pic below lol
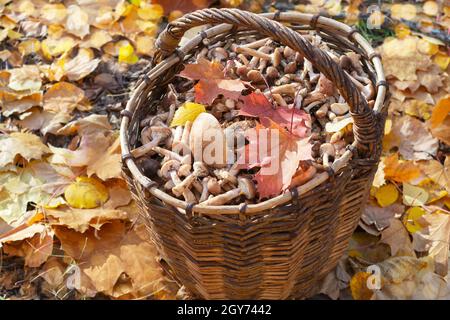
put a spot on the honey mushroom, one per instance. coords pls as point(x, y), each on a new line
point(245, 188)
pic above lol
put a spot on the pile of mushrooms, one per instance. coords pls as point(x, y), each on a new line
point(286, 79)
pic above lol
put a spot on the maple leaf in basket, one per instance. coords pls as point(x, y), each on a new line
point(212, 81)
point(257, 105)
point(278, 153)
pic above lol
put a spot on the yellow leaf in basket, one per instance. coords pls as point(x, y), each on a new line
point(412, 217)
point(126, 54)
point(414, 196)
point(86, 193)
point(358, 286)
point(386, 195)
point(187, 112)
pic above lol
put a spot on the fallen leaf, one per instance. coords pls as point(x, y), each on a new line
point(442, 131)
point(381, 217)
point(112, 261)
point(386, 195)
point(412, 138)
point(44, 121)
point(16, 103)
point(358, 286)
point(184, 6)
point(65, 97)
point(109, 163)
point(212, 81)
point(440, 112)
point(27, 145)
point(403, 11)
point(257, 105)
point(279, 161)
point(414, 196)
point(77, 22)
point(434, 237)
point(96, 39)
point(77, 68)
point(397, 237)
point(25, 78)
point(127, 55)
point(399, 171)
point(81, 220)
point(54, 13)
point(437, 172)
point(52, 47)
point(188, 111)
point(34, 243)
point(411, 219)
point(86, 193)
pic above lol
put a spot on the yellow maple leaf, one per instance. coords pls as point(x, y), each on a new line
point(189, 111)
point(86, 193)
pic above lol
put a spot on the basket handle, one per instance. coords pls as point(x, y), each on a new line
point(365, 125)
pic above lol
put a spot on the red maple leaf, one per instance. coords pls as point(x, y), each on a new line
point(257, 105)
point(278, 159)
point(212, 81)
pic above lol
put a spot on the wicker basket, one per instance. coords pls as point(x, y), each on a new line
point(282, 247)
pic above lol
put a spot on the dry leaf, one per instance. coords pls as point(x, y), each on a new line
point(112, 261)
point(27, 145)
point(25, 78)
point(414, 196)
point(400, 171)
point(109, 163)
point(65, 97)
point(381, 217)
point(34, 243)
point(81, 220)
point(412, 139)
point(44, 121)
point(440, 112)
point(256, 105)
point(77, 68)
point(212, 81)
point(280, 162)
point(86, 193)
point(77, 22)
point(437, 172)
point(397, 237)
point(434, 237)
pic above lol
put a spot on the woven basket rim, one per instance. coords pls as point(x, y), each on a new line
point(315, 22)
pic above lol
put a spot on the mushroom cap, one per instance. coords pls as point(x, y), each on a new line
point(247, 187)
point(213, 186)
point(226, 176)
point(200, 169)
point(168, 166)
point(327, 148)
point(185, 170)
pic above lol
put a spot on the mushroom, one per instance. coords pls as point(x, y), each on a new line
point(208, 136)
point(182, 146)
point(148, 166)
point(226, 176)
point(186, 159)
point(326, 151)
point(308, 69)
point(364, 84)
point(200, 170)
point(213, 186)
point(154, 136)
point(177, 134)
point(169, 171)
point(275, 57)
point(245, 188)
point(205, 192)
point(185, 170)
point(288, 89)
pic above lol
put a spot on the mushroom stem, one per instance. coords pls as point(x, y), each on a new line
point(172, 155)
point(205, 192)
point(367, 90)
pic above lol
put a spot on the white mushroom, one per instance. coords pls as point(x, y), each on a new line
point(245, 188)
point(169, 171)
point(200, 170)
point(154, 136)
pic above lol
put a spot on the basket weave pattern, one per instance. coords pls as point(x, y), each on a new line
point(280, 251)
